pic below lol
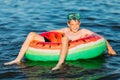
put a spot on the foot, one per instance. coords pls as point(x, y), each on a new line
point(12, 62)
point(56, 67)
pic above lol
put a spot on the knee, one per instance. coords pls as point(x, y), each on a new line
point(32, 34)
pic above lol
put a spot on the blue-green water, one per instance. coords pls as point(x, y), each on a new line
point(19, 17)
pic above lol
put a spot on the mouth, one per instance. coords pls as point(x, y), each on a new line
point(74, 30)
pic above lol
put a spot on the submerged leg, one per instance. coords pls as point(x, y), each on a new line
point(31, 36)
point(63, 53)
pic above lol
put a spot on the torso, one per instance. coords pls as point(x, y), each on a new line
point(74, 36)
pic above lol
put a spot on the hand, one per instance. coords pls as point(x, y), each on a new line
point(111, 52)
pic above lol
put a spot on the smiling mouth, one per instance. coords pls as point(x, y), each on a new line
point(74, 30)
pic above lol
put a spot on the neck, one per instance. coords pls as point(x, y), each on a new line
point(74, 32)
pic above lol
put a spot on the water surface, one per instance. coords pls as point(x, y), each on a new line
point(19, 17)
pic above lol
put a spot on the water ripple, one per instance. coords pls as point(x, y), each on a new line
point(19, 17)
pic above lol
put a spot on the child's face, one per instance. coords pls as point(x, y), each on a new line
point(74, 25)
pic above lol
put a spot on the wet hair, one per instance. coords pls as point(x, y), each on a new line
point(73, 16)
point(74, 20)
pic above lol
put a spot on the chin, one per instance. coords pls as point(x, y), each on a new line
point(75, 31)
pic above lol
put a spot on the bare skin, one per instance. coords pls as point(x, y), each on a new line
point(74, 30)
point(31, 36)
point(71, 33)
point(63, 52)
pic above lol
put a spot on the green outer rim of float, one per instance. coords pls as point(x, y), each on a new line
point(86, 52)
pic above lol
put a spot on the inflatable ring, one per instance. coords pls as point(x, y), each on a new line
point(84, 48)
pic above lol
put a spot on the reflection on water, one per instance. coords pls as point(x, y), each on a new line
point(80, 69)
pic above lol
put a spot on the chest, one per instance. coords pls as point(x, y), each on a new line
point(74, 36)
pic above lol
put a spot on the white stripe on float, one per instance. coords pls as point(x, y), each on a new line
point(70, 50)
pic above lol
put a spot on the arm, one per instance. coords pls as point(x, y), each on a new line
point(109, 47)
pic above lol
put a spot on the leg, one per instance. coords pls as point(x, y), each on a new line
point(31, 36)
point(63, 53)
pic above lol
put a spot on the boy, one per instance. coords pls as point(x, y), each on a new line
point(73, 32)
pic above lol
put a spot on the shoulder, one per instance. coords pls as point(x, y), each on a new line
point(84, 29)
point(87, 31)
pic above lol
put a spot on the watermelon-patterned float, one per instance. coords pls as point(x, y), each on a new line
point(83, 48)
